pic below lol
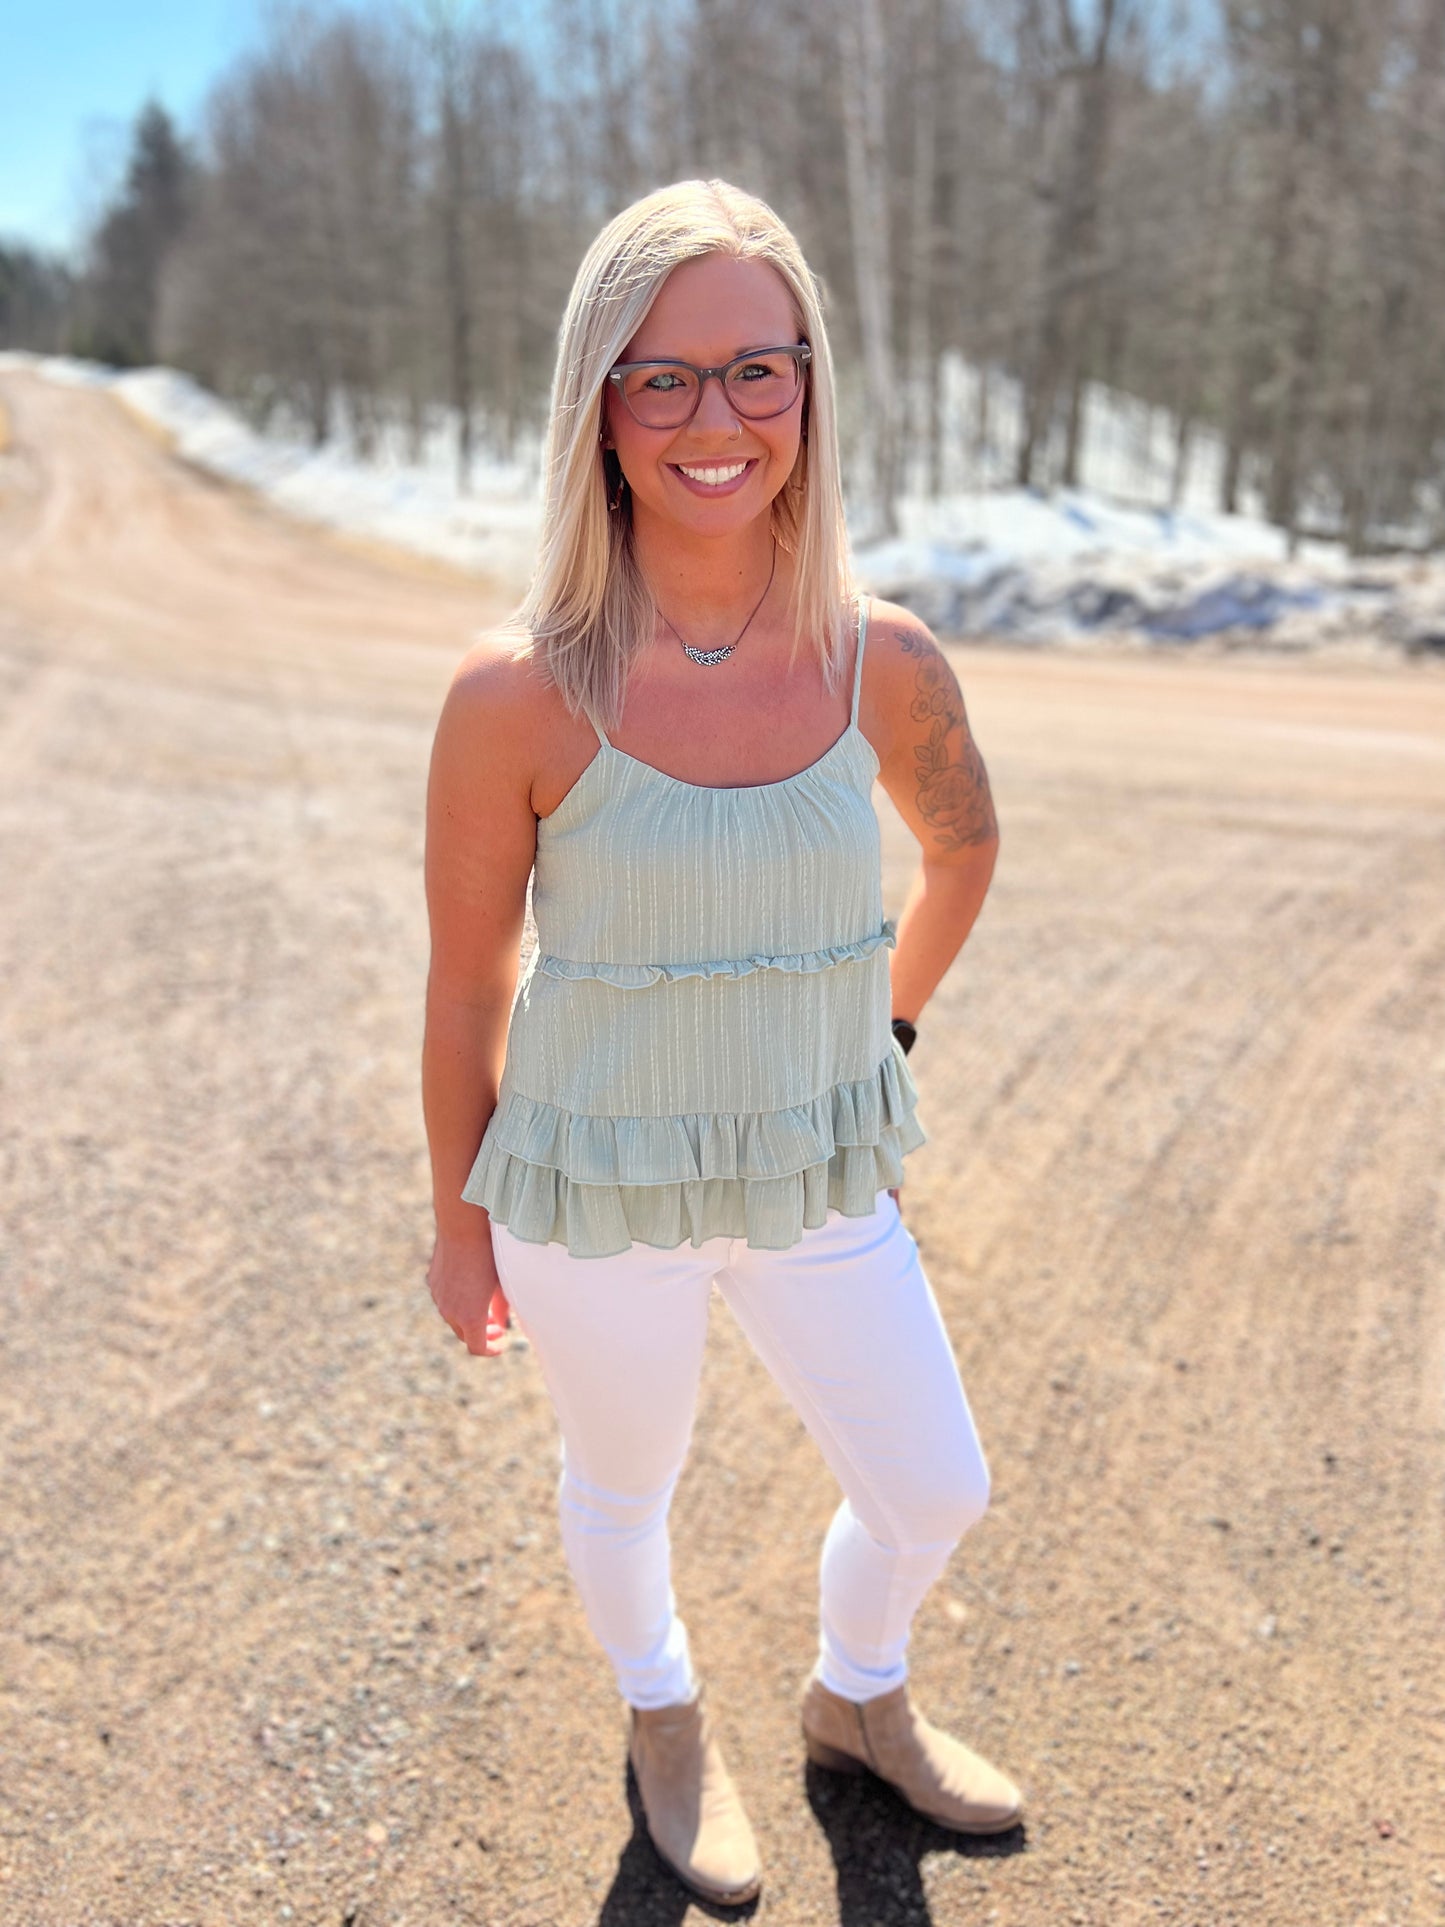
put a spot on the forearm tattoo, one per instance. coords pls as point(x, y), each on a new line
point(953, 793)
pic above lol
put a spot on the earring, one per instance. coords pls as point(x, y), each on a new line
point(614, 499)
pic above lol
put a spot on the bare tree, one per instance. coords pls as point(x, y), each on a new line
point(444, 47)
point(924, 36)
point(1073, 74)
point(864, 100)
point(1011, 205)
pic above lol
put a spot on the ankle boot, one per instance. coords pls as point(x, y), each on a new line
point(938, 1776)
point(694, 1815)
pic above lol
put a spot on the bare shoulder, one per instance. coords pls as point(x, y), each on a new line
point(895, 619)
point(929, 763)
point(481, 831)
point(495, 687)
point(498, 716)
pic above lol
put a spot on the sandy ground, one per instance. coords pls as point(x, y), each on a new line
point(287, 1633)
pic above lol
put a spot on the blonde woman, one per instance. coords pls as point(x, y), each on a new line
point(701, 1079)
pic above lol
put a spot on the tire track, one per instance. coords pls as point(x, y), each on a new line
point(288, 1621)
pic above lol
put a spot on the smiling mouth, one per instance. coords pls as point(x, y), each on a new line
point(712, 475)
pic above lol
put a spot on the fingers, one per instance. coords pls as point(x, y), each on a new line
point(489, 1342)
point(484, 1338)
point(490, 1345)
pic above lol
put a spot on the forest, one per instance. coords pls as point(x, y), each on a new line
point(1231, 211)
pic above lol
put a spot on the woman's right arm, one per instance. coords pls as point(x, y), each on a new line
point(481, 838)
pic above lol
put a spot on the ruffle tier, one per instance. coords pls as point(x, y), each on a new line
point(639, 976)
point(599, 1184)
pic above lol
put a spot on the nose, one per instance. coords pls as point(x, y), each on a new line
point(715, 410)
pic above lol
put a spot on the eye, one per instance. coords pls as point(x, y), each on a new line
point(655, 382)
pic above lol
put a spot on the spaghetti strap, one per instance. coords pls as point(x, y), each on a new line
point(601, 732)
point(858, 658)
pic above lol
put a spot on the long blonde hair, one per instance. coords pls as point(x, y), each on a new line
point(588, 608)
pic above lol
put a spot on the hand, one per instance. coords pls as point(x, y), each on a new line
point(468, 1294)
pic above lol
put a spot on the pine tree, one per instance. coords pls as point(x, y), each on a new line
point(128, 249)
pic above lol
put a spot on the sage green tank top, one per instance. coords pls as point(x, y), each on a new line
point(701, 1044)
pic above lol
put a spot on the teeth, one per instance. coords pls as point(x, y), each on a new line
point(713, 476)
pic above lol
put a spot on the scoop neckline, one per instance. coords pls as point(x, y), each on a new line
point(735, 789)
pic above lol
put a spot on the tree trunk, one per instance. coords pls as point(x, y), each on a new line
point(1073, 429)
point(455, 277)
point(1180, 473)
point(922, 387)
point(863, 126)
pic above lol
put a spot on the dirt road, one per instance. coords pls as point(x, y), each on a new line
point(287, 1634)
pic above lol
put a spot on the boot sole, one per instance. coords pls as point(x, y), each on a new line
point(821, 1754)
point(721, 1896)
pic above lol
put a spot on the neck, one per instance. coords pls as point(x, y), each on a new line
point(705, 582)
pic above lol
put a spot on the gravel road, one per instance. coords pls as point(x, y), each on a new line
point(287, 1633)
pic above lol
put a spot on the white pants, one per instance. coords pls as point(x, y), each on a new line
point(847, 1324)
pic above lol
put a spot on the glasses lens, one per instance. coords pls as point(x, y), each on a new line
point(660, 397)
point(764, 385)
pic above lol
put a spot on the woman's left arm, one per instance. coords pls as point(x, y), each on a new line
point(932, 771)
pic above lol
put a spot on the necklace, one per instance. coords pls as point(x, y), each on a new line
point(707, 657)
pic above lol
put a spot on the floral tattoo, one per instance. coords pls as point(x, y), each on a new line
point(953, 796)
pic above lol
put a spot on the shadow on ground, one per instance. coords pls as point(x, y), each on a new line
point(878, 1846)
point(645, 1892)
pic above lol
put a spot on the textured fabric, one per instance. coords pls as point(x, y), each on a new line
point(847, 1325)
point(701, 1044)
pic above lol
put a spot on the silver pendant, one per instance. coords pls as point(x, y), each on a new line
point(707, 657)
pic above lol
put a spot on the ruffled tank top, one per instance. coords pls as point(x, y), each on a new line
point(701, 1044)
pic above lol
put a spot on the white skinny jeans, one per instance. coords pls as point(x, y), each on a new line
point(846, 1322)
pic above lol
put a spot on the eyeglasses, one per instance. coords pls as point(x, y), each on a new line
point(666, 394)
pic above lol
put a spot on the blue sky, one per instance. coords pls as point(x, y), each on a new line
point(73, 76)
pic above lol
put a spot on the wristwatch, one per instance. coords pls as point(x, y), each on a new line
point(905, 1033)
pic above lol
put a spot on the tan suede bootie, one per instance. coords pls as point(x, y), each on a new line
point(694, 1814)
point(938, 1776)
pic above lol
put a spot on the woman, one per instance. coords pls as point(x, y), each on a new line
point(701, 1079)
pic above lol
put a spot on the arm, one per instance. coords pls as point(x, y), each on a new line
point(481, 837)
point(934, 775)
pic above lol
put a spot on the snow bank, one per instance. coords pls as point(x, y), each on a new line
point(492, 530)
point(1063, 568)
point(1070, 570)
